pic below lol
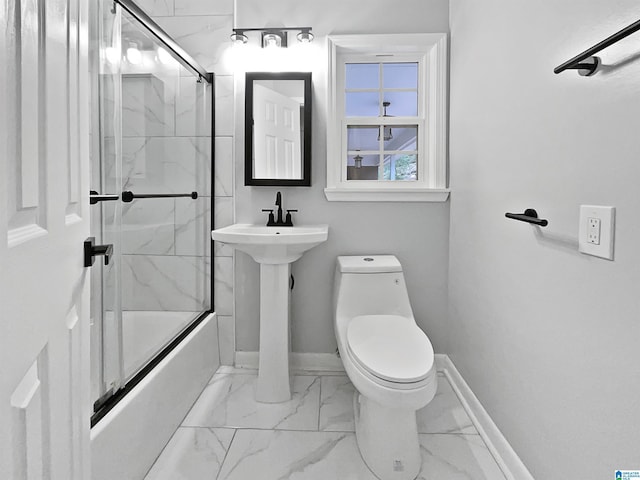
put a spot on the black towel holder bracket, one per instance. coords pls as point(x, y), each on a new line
point(529, 216)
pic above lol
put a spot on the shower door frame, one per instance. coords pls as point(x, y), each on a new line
point(108, 403)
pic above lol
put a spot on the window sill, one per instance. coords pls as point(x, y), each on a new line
point(386, 195)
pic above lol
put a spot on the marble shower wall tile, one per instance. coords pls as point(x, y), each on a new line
point(457, 457)
point(229, 401)
point(223, 211)
point(167, 165)
point(192, 226)
point(193, 108)
point(206, 38)
point(192, 454)
point(156, 7)
point(148, 227)
point(227, 340)
point(223, 285)
point(445, 413)
point(204, 7)
point(223, 175)
point(148, 105)
point(224, 116)
point(294, 455)
point(162, 282)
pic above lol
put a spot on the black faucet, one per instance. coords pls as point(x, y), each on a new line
point(272, 222)
point(279, 205)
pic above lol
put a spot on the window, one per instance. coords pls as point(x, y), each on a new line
point(387, 118)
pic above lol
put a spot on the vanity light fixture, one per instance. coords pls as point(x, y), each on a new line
point(272, 37)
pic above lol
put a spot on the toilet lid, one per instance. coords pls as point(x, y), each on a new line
point(390, 347)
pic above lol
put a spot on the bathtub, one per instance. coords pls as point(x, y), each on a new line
point(126, 442)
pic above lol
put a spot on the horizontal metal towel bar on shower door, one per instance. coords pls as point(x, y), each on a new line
point(586, 61)
point(128, 196)
point(164, 38)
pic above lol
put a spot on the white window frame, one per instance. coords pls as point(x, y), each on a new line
point(430, 51)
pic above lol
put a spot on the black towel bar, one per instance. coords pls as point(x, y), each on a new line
point(586, 63)
point(529, 216)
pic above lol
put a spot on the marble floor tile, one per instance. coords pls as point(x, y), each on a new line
point(456, 457)
point(270, 455)
point(192, 454)
point(445, 413)
point(229, 401)
point(336, 404)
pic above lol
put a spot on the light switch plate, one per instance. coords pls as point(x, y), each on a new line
point(589, 214)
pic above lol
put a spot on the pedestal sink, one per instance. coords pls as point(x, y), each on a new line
point(274, 248)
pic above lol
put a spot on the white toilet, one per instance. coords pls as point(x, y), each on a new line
point(387, 357)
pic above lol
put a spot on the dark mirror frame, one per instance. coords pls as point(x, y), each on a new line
point(305, 181)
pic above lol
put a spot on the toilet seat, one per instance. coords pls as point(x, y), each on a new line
point(391, 348)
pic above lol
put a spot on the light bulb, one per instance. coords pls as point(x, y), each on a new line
point(239, 38)
point(111, 54)
point(164, 57)
point(271, 40)
point(134, 56)
point(305, 36)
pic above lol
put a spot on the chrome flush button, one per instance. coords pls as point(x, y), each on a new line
point(368, 259)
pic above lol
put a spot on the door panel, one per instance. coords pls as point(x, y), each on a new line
point(44, 400)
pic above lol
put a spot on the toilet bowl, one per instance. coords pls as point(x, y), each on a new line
point(387, 357)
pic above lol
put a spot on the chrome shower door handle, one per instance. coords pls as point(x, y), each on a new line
point(91, 250)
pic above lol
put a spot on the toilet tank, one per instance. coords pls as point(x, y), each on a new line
point(369, 285)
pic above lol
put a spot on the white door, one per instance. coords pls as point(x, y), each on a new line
point(277, 151)
point(44, 213)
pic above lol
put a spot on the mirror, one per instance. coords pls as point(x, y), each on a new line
point(278, 129)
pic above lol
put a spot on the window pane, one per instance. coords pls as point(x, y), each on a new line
point(362, 75)
point(365, 169)
point(362, 138)
point(400, 167)
point(402, 104)
point(362, 104)
point(403, 137)
point(400, 75)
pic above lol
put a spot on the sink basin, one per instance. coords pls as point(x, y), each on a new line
point(274, 248)
point(272, 244)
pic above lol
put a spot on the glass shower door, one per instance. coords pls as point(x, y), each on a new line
point(155, 144)
point(106, 219)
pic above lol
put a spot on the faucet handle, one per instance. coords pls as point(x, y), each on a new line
point(287, 221)
point(271, 221)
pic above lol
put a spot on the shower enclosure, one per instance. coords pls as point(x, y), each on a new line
point(151, 199)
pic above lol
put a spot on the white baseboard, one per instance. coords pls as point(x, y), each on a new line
point(505, 456)
point(308, 362)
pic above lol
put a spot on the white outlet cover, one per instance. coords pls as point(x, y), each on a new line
point(607, 216)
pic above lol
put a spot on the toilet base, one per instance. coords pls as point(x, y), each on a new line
point(387, 439)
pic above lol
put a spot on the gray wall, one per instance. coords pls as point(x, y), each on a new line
point(546, 337)
point(416, 232)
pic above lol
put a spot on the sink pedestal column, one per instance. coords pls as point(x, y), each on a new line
point(273, 384)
